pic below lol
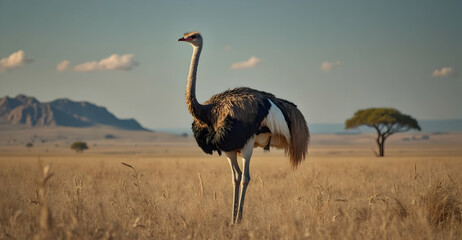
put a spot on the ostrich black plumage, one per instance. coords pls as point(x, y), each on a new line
point(240, 119)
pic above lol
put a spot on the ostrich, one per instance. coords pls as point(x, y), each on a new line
point(237, 120)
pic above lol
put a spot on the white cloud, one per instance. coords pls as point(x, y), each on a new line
point(443, 72)
point(16, 59)
point(87, 67)
point(327, 66)
point(113, 62)
point(63, 66)
point(252, 62)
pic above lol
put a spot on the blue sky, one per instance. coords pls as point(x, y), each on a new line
point(330, 58)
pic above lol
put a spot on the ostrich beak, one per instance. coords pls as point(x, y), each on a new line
point(185, 39)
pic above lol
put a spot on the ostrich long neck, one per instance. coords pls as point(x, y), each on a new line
point(196, 109)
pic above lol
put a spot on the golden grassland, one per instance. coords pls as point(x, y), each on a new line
point(174, 191)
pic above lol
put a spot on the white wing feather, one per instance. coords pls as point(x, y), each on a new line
point(276, 122)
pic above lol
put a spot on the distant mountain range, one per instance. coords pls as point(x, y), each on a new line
point(28, 111)
point(61, 112)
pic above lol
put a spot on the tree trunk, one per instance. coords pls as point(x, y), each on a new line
point(381, 145)
point(381, 136)
point(381, 150)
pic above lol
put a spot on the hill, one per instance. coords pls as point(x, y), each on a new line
point(28, 111)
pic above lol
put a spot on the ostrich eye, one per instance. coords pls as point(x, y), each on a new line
point(193, 36)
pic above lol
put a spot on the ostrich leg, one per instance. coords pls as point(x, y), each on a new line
point(236, 172)
point(246, 152)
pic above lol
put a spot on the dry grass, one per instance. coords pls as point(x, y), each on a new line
point(443, 202)
point(172, 196)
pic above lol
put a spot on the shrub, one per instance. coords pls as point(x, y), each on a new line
point(109, 136)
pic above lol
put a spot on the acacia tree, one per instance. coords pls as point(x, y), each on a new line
point(386, 121)
point(79, 146)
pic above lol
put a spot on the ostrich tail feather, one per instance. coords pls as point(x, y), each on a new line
point(299, 134)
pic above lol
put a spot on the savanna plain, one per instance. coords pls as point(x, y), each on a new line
point(161, 186)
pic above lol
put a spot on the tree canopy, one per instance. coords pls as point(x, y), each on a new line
point(386, 121)
point(389, 118)
point(79, 146)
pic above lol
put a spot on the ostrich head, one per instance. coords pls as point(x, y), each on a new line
point(194, 38)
